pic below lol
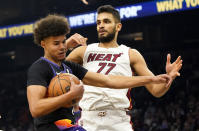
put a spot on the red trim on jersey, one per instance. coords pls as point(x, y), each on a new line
point(131, 123)
point(130, 100)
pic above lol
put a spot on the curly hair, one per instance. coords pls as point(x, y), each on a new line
point(109, 9)
point(51, 25)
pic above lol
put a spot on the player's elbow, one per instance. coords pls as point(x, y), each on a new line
point(153, 91)
point(34, 112)
point(157, 94)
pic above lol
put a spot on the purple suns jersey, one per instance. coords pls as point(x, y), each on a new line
point(109, 61)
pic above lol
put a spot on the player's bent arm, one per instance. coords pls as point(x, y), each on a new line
point(120, 82)
point(76, 55)
point(138, 63)
point(40, 105)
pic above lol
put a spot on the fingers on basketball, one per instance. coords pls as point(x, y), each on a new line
point(60, 84)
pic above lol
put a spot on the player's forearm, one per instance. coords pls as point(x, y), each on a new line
point(158, 90)
point(116, 82)
point(48, 105)
point(120, 82)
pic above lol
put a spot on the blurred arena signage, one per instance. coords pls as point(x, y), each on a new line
point(16, 30)
point(126, 12)
point(138, 10)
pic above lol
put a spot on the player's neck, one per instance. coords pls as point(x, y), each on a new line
point(52, 60)
point(111, 44)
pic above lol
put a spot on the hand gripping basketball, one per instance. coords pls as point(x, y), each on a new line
point(64, 83)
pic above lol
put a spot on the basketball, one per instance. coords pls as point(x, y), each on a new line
point(60, 84)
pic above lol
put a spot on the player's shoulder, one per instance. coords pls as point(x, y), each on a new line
point(82, 49)
point(39, 64)
point(70, 64)
point(122, 46)
point(132, 50)
point(134, 53)
point(93, 45)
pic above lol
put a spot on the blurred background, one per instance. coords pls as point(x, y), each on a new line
point(154, 28)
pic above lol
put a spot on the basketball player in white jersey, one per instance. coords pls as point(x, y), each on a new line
point(104, 109)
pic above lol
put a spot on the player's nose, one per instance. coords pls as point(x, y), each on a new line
point(62, 46)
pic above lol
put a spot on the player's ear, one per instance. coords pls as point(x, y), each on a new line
point(119, 26)
point(42, 44)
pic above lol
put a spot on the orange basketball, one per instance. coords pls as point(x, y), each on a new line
point(60, 84)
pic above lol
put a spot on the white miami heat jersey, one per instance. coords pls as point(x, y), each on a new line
point(113, 61)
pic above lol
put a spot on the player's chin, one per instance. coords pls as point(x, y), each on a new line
point(61, 57)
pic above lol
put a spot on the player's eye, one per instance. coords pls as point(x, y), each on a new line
point(107, 21)
point(64, 40)
point(56, 43)
point(98, 22)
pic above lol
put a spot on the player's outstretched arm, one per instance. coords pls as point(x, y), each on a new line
point(140, 66)
point(121, 82)
point(117, 82)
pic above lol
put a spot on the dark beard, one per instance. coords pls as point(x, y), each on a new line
point(107, 38)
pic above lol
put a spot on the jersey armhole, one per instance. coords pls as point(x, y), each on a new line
point(132, 69)
point(83, 56)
